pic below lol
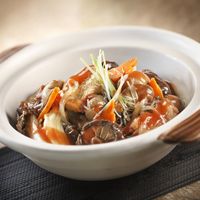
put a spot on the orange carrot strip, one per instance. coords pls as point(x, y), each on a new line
point(107, 113)
point(80, 77)
point(49, 103)
point(57, 100)
point(156, 88)
point(125, 68)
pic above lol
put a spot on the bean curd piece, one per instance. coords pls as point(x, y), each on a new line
point(54, 129)
point(32, 130)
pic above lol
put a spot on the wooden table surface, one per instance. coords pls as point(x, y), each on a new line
point(23, 21)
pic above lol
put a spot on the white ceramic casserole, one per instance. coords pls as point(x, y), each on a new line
point(172, 56)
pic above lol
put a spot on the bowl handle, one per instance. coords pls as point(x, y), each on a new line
point(185, 132)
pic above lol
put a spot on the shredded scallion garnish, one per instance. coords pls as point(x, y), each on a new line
point(100, 71)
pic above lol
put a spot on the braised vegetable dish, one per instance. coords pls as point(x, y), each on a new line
point(104, 102)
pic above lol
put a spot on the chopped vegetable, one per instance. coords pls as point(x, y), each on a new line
point(125, 68)
point(156, 88)
point(80, 77)
point(108, 113)
point(50, 102)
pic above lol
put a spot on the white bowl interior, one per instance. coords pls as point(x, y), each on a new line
point(64, 64)
point(173, 57)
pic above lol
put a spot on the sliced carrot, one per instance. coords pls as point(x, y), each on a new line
point(57, 100)
point(80, 77)
point(107, 113)
point(125, 68)
point(49, 103)
point(156, 88)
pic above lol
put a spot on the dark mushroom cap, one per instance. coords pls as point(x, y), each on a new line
point(100, 131)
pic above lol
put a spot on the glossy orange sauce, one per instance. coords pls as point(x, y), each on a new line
point(139, 76)
point(42, 133)
point(88, 135)
point(98, 107)
point(108, 113)
point(151, 119)
point(80, 77)
point(57, 137)
point(162, 107)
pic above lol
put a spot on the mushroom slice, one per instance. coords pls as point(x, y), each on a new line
point(165, 86)
point(100, 131)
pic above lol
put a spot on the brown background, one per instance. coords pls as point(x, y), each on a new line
point(23, 21)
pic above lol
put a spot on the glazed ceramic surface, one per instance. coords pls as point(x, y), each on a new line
point(172, 56)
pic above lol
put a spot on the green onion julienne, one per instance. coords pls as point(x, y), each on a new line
point(100, 72)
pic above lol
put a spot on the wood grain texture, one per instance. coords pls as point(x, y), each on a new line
point(186, 131)
point(190, 192)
